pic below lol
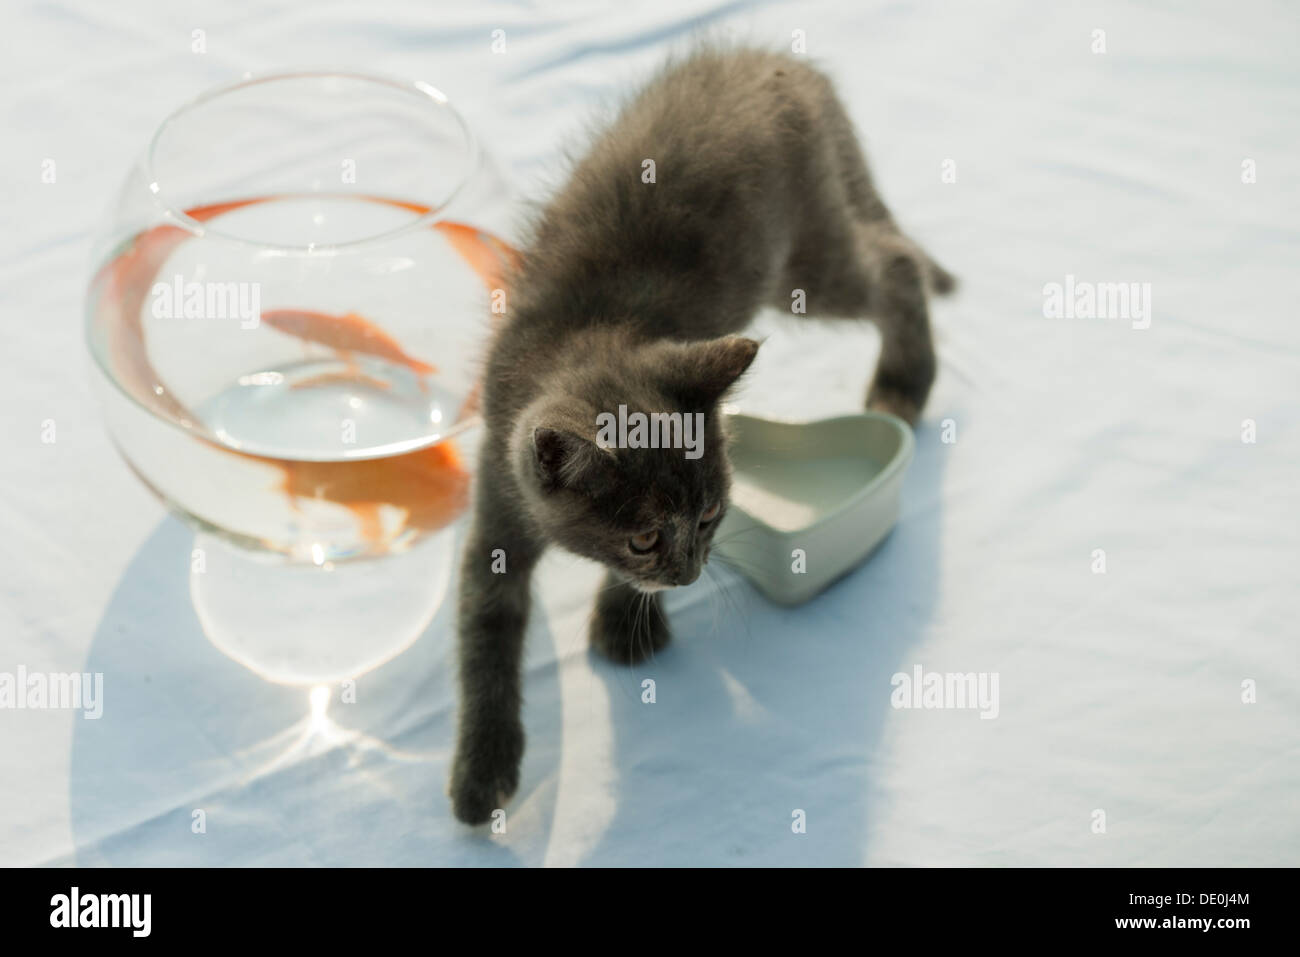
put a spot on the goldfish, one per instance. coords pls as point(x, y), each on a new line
point(430, 485)
point(489, 257)
point(347, 333)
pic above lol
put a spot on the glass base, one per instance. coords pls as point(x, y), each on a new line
point(317, 624)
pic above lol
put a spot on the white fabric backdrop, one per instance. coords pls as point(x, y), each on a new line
point(1119, 692)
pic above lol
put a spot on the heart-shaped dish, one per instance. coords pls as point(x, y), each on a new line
point(811, 500)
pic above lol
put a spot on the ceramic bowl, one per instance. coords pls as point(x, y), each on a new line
point(810, 501)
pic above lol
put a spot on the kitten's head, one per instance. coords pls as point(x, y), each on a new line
point(648, 514)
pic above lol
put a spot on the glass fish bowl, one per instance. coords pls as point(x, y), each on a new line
point(287, 313)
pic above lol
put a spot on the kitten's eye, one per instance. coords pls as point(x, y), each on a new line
point(710, 513)
point(643, 542)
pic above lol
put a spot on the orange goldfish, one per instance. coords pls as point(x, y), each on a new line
point(347, 333)
point(430, 485)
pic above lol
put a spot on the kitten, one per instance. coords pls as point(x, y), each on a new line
point(629, 293)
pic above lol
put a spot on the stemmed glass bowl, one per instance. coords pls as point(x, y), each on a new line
point(286, 315)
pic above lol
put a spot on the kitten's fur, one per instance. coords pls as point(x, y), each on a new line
point(629, 293)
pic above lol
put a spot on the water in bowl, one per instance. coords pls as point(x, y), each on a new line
point(311, 401)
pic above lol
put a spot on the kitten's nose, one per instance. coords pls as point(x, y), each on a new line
point(686, 577)
point(688, 560)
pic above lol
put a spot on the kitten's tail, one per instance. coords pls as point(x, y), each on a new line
point(941, 281)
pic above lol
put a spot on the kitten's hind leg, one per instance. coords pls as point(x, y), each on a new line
point(628, 625)
point(859, 270)
point(887, 277)
point(899, 273)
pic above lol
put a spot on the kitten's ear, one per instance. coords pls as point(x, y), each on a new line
point(708, 369)
point(564, 459)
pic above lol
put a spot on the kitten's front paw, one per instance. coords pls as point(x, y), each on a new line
point(628, 627)
point(485, 772)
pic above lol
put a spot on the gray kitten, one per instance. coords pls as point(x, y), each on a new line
point(628, 294)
